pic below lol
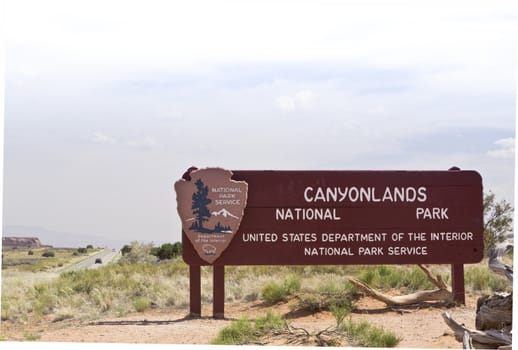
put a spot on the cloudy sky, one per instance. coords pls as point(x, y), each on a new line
point(107, 103)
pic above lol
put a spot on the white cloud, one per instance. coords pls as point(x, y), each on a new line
point(144, 143)
point(302, 100)
point(99, 137)
point(505, 148)
point(376, 110)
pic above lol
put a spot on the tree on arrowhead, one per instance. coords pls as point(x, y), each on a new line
point(200, 200)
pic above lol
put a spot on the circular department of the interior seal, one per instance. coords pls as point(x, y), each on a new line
point(211, 206)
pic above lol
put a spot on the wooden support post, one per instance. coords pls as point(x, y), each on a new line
point(218, 295)
point(457, 283)
point(457, 274)
point(195, 290)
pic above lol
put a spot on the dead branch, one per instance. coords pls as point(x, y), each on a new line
point(437, 281)
point(496, 263)
point(331, 336)
point(292, 329)
point(426, 295)
point(467, 342)
point(481, 339)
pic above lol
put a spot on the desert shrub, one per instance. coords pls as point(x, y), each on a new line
point(30, 252)
point(138, 253)
point(339, 313)
point(89, 246)
point(269, 322)
point(126, 249)
point(82, 250)
point(365, 335)
point(63, 316)
point(239, 332)
point(31, 336)
point(141, 304)
point(316, 302)
point(274, 292)
point(244, 331)
point(7, 313)
point(48, 254)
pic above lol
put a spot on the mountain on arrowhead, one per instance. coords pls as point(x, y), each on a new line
point(224, 212)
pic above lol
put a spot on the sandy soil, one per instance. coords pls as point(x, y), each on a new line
point(419, 327)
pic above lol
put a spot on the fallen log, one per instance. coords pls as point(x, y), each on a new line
point(425, 295)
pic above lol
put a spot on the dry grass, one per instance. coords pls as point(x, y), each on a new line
point(119, 289)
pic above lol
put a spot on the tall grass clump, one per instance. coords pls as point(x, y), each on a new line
point(481, 278)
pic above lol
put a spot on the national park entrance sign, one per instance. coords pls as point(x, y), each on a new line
point(328, 218)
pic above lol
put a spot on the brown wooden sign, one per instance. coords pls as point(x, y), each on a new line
point(353, 217)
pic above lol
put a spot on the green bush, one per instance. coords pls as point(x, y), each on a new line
point(498, 220)
point(167, 251)
point(139, 253)
point(30, 252)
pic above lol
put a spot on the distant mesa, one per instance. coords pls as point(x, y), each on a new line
point(21, 242)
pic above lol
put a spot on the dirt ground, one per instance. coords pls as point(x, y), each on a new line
point(419, 327)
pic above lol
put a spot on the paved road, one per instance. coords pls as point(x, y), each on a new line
point(106, 256)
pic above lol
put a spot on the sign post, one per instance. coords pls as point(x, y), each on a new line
point(195, 290)
point(330, 218)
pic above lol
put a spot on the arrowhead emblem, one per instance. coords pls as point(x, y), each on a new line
point(211, 207)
